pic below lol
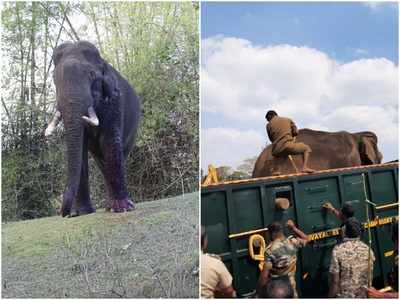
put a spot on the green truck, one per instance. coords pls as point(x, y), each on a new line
point(232, 212)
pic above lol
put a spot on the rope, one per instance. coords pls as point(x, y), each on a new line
point(292, 160)
point(369, 232)
point(293, 164)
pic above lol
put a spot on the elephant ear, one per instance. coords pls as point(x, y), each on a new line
point(368, 148)
point(110, 83)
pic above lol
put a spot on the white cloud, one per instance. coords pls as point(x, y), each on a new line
point(360, 52)
point(377, 5)
point(372, 4)
point(228, 147)
point(241, 81)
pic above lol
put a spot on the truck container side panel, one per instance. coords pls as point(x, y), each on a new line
point(279, 215)
point(264, 205)
point(216, 221)
point(298, 220)
point(354, 194)
point(382, 191)
point(315, 272)
point(245, 202)
point(313, 194)
point(383, 248)
point(250, 205)
point(248, 275)
point(314, 218)
point(232, 228)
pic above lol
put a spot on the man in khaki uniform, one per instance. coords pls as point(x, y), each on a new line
point(281, 132)
point(281, 255)
point(215, 277)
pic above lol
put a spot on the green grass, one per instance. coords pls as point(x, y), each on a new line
point(38, 237)
point(159, 237)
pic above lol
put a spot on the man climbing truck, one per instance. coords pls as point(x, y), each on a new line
point(282, 132)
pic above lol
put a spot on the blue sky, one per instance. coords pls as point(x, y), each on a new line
point(353, 45)
point(335, 28)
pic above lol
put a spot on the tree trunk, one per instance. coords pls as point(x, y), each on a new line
point(33, 47)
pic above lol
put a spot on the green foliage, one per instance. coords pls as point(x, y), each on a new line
point(247, 166)
point(224, 172)
point(154, 45)
point(243, 171)
point(236, 175)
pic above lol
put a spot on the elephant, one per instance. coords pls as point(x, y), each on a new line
point(100, 112)
point(330, 150)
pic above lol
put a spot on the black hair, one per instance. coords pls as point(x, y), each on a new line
point(270, 114)
point(277, 288)
point(274, 228)
point(348, 210)
point(352, 228)
point(203, 236)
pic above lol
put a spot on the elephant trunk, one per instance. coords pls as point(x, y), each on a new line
point(74, 98)
point(74, 142)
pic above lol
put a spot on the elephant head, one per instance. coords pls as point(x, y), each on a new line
point(77, 67)
point(368, 148)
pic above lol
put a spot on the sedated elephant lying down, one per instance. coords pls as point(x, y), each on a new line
point(330, 150)
point(100, 112)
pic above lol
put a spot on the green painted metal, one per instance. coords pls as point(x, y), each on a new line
point(236, 207)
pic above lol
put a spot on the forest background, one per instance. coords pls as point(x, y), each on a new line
point(155, 47)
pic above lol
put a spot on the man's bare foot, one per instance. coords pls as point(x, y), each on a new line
point(308, 170)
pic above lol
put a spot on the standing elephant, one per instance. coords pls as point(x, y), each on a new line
point(100, 112)
point(330, 150)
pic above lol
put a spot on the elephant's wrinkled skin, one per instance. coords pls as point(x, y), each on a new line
point(329, 151)
point(100, 112)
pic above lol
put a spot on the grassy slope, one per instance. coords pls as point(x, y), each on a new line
point(150, 252)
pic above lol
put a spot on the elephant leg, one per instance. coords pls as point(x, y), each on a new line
point(111, 187)
point(83, 202)
point(109, 202)
point(100, 163)
point(114, 173)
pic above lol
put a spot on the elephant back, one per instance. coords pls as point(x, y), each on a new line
point(329, 150)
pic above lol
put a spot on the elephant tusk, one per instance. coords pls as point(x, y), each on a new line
point(53, 124)
point(92, 119)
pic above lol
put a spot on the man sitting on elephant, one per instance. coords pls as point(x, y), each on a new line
point(281, 132)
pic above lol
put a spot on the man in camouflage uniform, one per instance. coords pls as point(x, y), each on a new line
point(346, 212)
point(281, 255)
point(215, 277)
point(349, 264)
point(282, 132)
